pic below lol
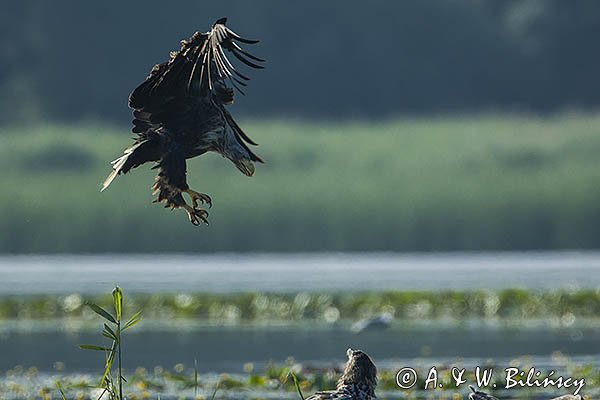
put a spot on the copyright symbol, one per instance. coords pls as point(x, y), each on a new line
point(406, 378)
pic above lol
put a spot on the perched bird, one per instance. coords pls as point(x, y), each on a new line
point(358, 381)
point(179, 113)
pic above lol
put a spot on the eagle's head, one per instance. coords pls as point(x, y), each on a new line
point(246, 166)
point(238, 154)
point(360, 372)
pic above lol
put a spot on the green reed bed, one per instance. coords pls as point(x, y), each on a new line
point(448, 183)
point(560, 306)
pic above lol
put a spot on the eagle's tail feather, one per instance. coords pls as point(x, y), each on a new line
point(113, 174)
point(121, 164)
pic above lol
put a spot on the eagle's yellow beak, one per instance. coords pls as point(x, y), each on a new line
point(246, 166)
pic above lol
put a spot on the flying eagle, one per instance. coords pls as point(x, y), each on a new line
point(179, 113)
point(358, 381)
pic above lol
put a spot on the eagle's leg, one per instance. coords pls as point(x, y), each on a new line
point(202, 197)
point(170, 184)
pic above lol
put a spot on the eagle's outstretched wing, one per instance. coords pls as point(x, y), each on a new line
point(193, 82)
point(211, 64)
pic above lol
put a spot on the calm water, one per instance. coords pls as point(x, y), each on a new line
point(221, 349)
point(293, 272)
point(226, 349)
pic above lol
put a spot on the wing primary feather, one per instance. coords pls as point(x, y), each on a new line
point(221, 64)
point(237, 87)
point(247, 41)
point(219, 67)
point(235, 71)
point(208, 71)
point(252, 56)
point(238, 48)
point(224, 58)
point(220, 32)
point(248, 63)
point(237, 37)
point(223, 73)
point(238, 81)
point(244, 77)
point(194, 72)
point(228, 73)
point(202, 70)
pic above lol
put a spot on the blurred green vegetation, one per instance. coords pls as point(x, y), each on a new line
point(557, 308)
point(449, 183)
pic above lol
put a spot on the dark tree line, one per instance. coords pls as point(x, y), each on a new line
point(72, 59)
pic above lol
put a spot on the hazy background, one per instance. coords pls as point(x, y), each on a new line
point(443, 140)
point(413, 125)
point(71, 60)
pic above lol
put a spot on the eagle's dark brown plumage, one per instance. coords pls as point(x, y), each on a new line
point(179, 113)
point(358, 381)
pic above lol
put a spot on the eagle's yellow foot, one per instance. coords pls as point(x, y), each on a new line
point(196, 215)
point(195, 196)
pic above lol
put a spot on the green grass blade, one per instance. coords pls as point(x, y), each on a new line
point(102, 312)
point(216, 390)
point(60, 389)
point(195, 378)
point(102, 393)
point(133, 320)
point(109, 333)
point(295, 378)
point(118, 300)
point(108, 366)
point(93, 347)
point(134, 317)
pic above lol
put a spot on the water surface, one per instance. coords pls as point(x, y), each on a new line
point(295, 272)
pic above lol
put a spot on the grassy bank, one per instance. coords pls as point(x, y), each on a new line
point(489, 182)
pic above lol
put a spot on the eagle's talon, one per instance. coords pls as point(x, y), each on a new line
point(197, 216)
point(203, 198)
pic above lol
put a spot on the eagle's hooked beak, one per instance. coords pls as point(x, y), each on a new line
point(246, 166)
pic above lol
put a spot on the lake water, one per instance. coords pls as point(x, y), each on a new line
point(226, 349)
point(295, 272)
